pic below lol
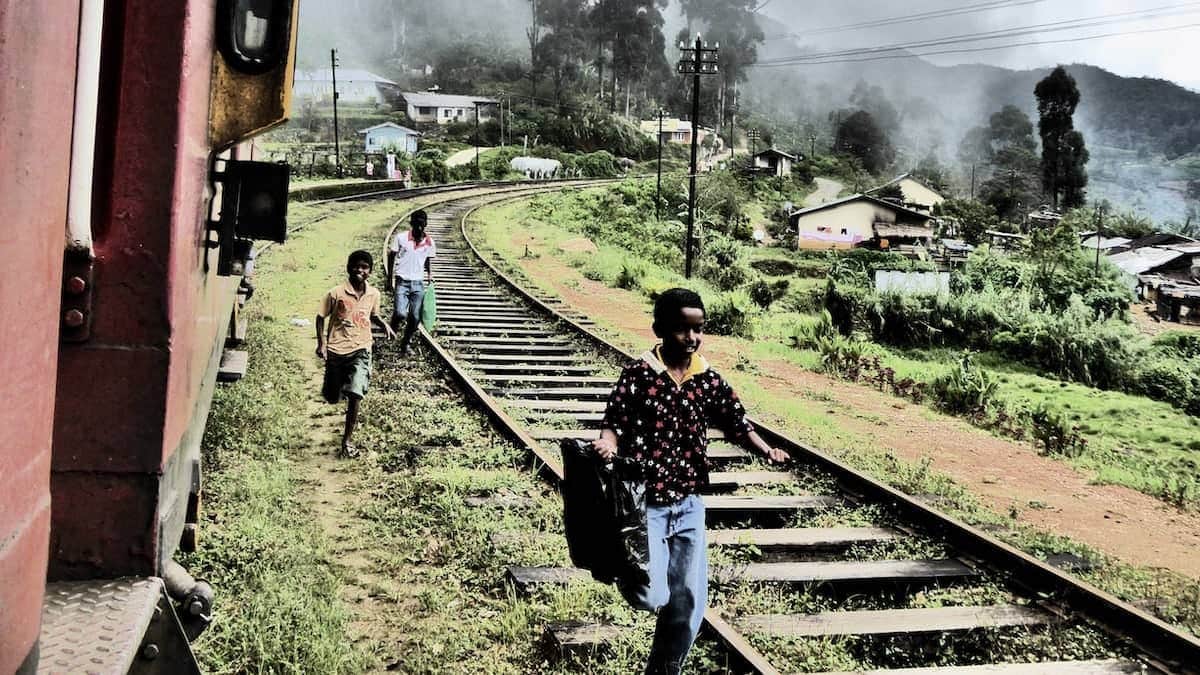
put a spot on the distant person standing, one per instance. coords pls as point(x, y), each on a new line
point(344, 344)
point(409, 272)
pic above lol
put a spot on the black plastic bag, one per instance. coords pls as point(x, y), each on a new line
point(604, 513)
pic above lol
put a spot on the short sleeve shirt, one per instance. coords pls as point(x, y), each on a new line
point(411, 255)
point(349, 315)
point(664, 425)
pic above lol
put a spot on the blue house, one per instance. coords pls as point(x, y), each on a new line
point(390, 135)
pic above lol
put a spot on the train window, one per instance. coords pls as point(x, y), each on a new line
point(254, 34)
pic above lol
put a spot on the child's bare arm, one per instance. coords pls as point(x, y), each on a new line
point(772, 453)
point(383, 324)
point(320, 336)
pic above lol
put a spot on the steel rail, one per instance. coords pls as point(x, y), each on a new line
point(1168, 648)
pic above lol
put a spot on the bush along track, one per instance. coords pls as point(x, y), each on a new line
point(884, 595)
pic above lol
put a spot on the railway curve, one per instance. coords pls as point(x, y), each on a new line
point(542, 374)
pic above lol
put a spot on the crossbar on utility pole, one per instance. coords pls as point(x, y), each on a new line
point(337, 147)
point(696, 61)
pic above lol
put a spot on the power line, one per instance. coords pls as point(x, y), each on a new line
point(988, 6)
point(1054, 26)
point(968, 50)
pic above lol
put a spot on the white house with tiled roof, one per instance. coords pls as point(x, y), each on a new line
point(426, 106)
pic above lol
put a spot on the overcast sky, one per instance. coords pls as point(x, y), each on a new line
point(1171, 54)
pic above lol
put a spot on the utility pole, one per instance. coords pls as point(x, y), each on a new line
point(812, 146)
point(337, 147)
point(478, 172)
point(658, 185)
point(1099, 238)
point(753, 135)
point(695, 61)
point(972, 180)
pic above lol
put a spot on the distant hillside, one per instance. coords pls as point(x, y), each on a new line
point(1143, 132)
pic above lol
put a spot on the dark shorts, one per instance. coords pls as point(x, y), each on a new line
point(348, 374)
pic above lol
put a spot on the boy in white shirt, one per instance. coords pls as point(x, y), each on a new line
point(408, 273)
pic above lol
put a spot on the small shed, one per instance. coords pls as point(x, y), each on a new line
point(1007, 241)
point(390, 135)
point(776, 162)
point(1179, 303)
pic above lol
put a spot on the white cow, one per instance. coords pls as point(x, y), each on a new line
point(536, 168)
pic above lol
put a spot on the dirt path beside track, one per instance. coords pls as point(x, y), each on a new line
point(1007, 476)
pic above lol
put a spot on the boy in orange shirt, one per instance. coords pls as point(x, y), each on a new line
point(345, 343)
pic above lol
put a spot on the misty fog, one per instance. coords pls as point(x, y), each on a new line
point(937, 103)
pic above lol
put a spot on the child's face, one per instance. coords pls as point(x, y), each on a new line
point(358, 271)
point(685, 336)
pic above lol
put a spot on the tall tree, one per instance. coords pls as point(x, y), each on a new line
point(861, 136)
point(1064, 154)
point(559, 52)
point(734, 25)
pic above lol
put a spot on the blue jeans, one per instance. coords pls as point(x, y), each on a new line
point(409, 296)
point(678, 589)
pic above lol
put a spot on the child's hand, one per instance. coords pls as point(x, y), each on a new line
point(605, 448)
point(321, 353)
point(391, 334)
point(778, 456)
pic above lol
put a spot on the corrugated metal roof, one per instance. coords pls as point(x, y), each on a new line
point(427, 100)
point(1143, 260)
point(957, 245)
point(888, 230)
point(773, 151)
point(855, 198)
point(389, 124)
point(1105, 242)
point(343, 75)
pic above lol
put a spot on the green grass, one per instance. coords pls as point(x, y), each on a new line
point(259, 546)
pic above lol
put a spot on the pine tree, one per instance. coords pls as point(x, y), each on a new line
point(1064, 154)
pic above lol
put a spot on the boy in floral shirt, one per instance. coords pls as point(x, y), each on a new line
point(659, 413)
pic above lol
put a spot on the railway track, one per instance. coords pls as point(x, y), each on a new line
point(542, 375)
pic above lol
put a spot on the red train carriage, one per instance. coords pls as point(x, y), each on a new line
point(121, 237)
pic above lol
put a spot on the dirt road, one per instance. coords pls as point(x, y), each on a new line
point(827, 191)
point(465, 156)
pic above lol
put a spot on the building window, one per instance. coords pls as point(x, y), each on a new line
point(426, 110)
point(822, 228)
point(446, 112)
point(844, 231)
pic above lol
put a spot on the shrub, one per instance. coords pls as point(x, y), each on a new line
point(1169, 379)
point(811, 332)
point(723, 263)
point(1182, 343)
point(967, 389)
point(1055, 432)
point(841, 355)
point(804, 299)
point(774, 267)
point(630, 277)
point(764, 293)
point(730, 314)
